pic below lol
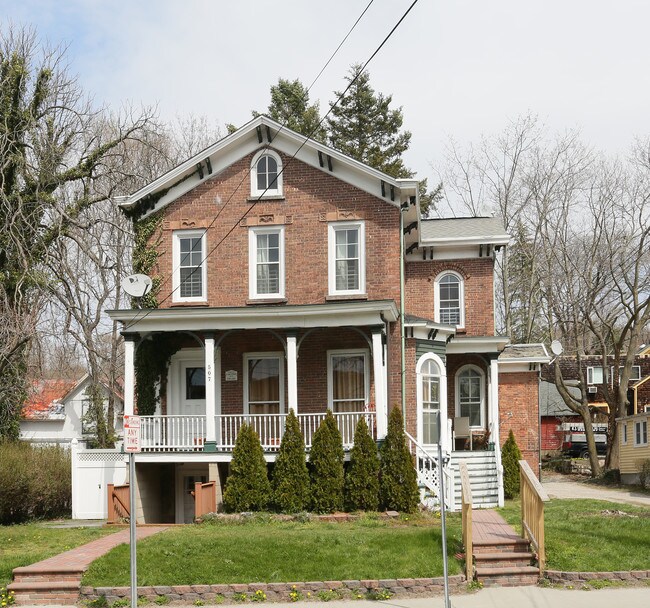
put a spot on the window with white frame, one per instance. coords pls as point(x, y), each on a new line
point(635, 373)
point(624, 434)
point(470, 395)
point(348, 380)
point(347, 263)
point(266, 174)
point(641, 433)
point(449, 299)
point(430, 387)
point(595, 375)
point(266, 262)
point(264, 383)
point(189, 278)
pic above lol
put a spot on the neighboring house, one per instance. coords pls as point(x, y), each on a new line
point(54, 413)
point(555, 415)
point(595, 377)
point(634, 446)
point(282, 285)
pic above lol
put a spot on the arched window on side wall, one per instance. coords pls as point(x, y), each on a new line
point(431, 398)
point(449, 299)
point(266, 174)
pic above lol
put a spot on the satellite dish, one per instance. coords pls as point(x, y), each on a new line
point(556, 348)
point(137, 285)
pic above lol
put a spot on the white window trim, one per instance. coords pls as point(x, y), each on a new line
point(176, 261)
point(624, 434)
point(331, 257)
point(482, 426)
point(461, 296)
point(264, 355)
point(590, 374)
point(253, 172)
point(639, 424)
point(330, 373)
point(252, 263)
point(443, 394)
point(632, 377)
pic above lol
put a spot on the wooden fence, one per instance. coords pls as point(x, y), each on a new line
point(533, 498)
point(205, 498)
point(119, 507)
point(466, 502)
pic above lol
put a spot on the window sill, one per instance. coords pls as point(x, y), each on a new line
point(255, 301)
point(188, 304)
point(346, 297)
point(267, 197)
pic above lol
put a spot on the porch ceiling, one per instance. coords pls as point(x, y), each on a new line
point(339, 314)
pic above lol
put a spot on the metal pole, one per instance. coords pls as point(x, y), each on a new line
point(443, 518)
point(132, 536)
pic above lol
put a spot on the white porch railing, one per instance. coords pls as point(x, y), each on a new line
point(172, 433)
point(187, 433)
point(426, 465)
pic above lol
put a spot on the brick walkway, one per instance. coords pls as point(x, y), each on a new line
point(489, 526)
point(81, 557)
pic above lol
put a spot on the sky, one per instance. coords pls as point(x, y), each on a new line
point(460, 69)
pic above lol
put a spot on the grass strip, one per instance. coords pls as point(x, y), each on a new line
point(582, 537)
point(282, 552)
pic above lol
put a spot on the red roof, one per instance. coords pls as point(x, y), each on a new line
point(45, 398)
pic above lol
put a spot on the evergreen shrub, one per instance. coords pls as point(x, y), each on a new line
point(326, 464)
point(290, 475)
point(510, 457)
point(398, 486)
point(247, 487)
point(362, 478)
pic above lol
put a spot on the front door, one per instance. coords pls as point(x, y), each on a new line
point(190, 421)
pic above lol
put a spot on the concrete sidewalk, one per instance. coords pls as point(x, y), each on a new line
point(493, 597)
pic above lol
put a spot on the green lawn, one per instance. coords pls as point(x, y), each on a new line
point(264, 551)
point(580, 538)
point(28, 543)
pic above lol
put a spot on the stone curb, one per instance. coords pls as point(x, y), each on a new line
point(281, 591)
point(576, 578)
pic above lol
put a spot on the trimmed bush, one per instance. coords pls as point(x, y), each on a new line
point(326, 464)
point(362, 479)
point(35, 482)
point(290, 475)
point(247, 487)
point(398, 485)
point(510, 457)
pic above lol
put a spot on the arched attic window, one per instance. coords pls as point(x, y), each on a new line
point(449, 299)
point(266, 174)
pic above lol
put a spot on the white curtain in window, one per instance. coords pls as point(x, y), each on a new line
point(348, 383)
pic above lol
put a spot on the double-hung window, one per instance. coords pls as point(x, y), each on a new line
point(347, 264)
point(189, 278)
point(266, 262)
point(430, 379)
point(595, 375)
point(449, 296)
point(470, 390)
point(641, 433)
point(348, 380)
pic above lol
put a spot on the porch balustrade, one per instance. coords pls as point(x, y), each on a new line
point(188, 433)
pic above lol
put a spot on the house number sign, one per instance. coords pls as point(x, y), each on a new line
point(231, 375)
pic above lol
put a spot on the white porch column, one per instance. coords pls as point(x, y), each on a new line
point(493, 416)
point(129, 373)
point(379, 369)
point(292, 372)
point(210, 391)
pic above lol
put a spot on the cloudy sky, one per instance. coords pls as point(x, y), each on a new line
point(459, 68)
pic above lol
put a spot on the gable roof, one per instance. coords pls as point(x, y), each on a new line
point(464, 230)
point(551, 402)
point(47, 397)
point(259, 133)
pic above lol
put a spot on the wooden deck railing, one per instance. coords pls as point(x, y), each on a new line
point(466, 501)
point(119, 507)
point(533, 497)
point(205, 498)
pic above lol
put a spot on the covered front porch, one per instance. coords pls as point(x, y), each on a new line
point(231, 366)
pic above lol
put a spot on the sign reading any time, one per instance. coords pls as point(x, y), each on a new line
point(132, 434)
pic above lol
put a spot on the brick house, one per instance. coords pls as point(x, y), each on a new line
point(296, 278)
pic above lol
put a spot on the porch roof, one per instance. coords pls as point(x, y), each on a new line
point(295, 316)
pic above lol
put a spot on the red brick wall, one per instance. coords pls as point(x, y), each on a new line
point(518, 410)
point(479, 293)
point(308, 193)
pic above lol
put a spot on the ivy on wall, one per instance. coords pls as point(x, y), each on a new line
point(148, 238)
